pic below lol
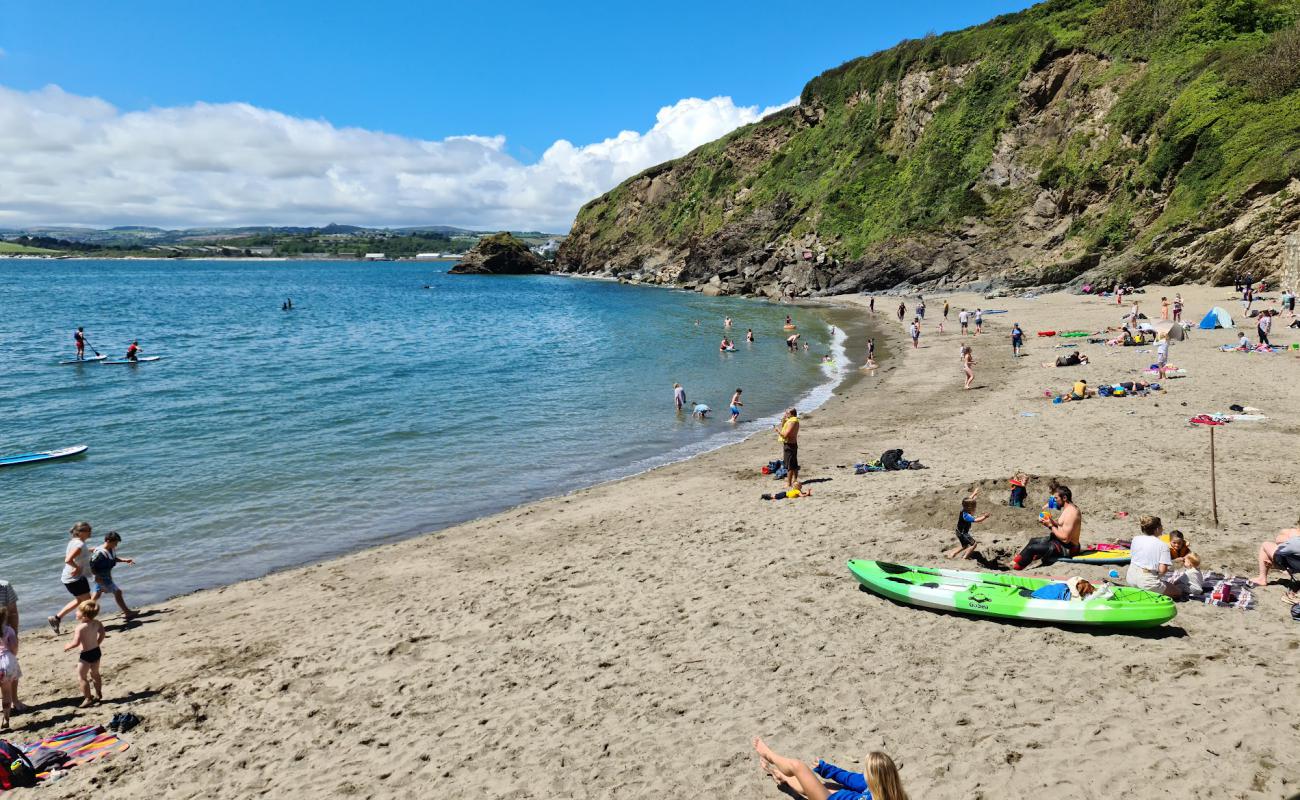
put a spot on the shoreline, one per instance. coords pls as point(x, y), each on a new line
point(722, 438)
point(668, 617)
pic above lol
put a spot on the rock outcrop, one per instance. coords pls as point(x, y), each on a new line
point(501, 254)
point(1043, 148)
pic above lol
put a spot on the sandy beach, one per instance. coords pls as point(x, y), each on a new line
point(630, 639)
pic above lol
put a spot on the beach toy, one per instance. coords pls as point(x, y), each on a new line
point(1009, 597)
point(1047, 333)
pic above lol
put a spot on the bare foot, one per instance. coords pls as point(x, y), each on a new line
point(1256, 582)
point(764, 752)
point(87, 703)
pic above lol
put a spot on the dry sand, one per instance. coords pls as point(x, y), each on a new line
point(628, 640)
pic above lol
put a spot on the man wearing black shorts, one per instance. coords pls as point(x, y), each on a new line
point(788, 433)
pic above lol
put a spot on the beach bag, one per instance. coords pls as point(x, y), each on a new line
point(891, 460)
point(16, 768)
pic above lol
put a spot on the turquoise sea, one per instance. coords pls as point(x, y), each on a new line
point(393, 399)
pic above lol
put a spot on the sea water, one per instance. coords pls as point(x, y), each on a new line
point(394, 398)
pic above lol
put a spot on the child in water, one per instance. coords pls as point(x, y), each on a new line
point(88, 636)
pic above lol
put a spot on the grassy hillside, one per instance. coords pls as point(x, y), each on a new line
point(1201, 102)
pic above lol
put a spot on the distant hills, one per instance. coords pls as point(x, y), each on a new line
point(331, 240)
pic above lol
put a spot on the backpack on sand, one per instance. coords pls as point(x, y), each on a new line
point(16, 768)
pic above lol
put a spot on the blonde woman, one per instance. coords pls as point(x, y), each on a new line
point(967, 362)
point(76, 572)
point(879, 781)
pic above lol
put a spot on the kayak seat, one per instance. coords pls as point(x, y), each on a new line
point(893, 569)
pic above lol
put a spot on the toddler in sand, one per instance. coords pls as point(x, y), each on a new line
point(794, 491)
point(1190, 578)
point(9, 671)
point(965, 518)
point(88, 636)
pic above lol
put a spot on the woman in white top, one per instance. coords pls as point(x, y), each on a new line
point(1151, 562)
point(76, 571)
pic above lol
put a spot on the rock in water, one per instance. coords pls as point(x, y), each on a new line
point(501, 254)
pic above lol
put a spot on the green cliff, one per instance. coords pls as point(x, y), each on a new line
point(1077, 139)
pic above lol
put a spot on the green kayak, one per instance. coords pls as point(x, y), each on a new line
point(1008, 596)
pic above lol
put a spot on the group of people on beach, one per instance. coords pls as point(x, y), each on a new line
point(82, 565)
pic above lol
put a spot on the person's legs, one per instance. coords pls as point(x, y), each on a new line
point(99, 684)
point(83, 680)
point(1266, 551)
point(68, 609)
point(6, 702)
point(121, 603)
point(791, 772)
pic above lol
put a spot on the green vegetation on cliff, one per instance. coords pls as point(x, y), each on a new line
point(1195, 108)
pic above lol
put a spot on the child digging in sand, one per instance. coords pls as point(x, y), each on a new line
point(88, 636)
point(965, 518)
point(879, 781)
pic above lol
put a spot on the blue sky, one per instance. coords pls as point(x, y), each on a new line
point(532, 72)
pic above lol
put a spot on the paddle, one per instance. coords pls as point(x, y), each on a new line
point(92, 347)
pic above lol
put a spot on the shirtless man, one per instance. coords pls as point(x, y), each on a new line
point(1063, 538)
point(792, 342)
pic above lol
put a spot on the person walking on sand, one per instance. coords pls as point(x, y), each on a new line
point(945, 310)
point(1263, 326)
point(871, 349)
point(979, 321)
point(963, 319)
point(88, 636)
point(735, 407)
point(1178, 307)
point(1017, 339)
point(871, 304)
point(9, 670)
point(1164, 308)
point(967, 364)
point(102, 561)
point(902, 310)
point(1162, 355)
point(788, 432)
point(878, 781)
point(679, 397)
point(76, 569)
point(915, 330)
point(1133, 315)
point(920, 307)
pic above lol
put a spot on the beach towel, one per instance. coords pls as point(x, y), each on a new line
point(83, 745)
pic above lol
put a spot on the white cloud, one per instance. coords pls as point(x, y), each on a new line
point(78, 160)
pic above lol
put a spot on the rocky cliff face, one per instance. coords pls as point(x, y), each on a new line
point(1063, 144)
point(501, 254)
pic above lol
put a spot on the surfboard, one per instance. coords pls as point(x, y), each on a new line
point(1099, 557)
point(86, 360)
point(1009, 597)
point(44, 455)
point(141, 360)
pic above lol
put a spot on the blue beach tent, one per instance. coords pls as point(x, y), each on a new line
point(1216, 318)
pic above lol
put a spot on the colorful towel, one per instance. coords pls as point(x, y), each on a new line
point(82, 745)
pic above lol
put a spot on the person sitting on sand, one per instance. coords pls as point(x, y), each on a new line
point(1284, 549)
point(1178, 545)
point(879, 781)
point(1063, 533)
point(965, 518)
point(1150, 564)
point(794, 491)
point(1190, 579)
